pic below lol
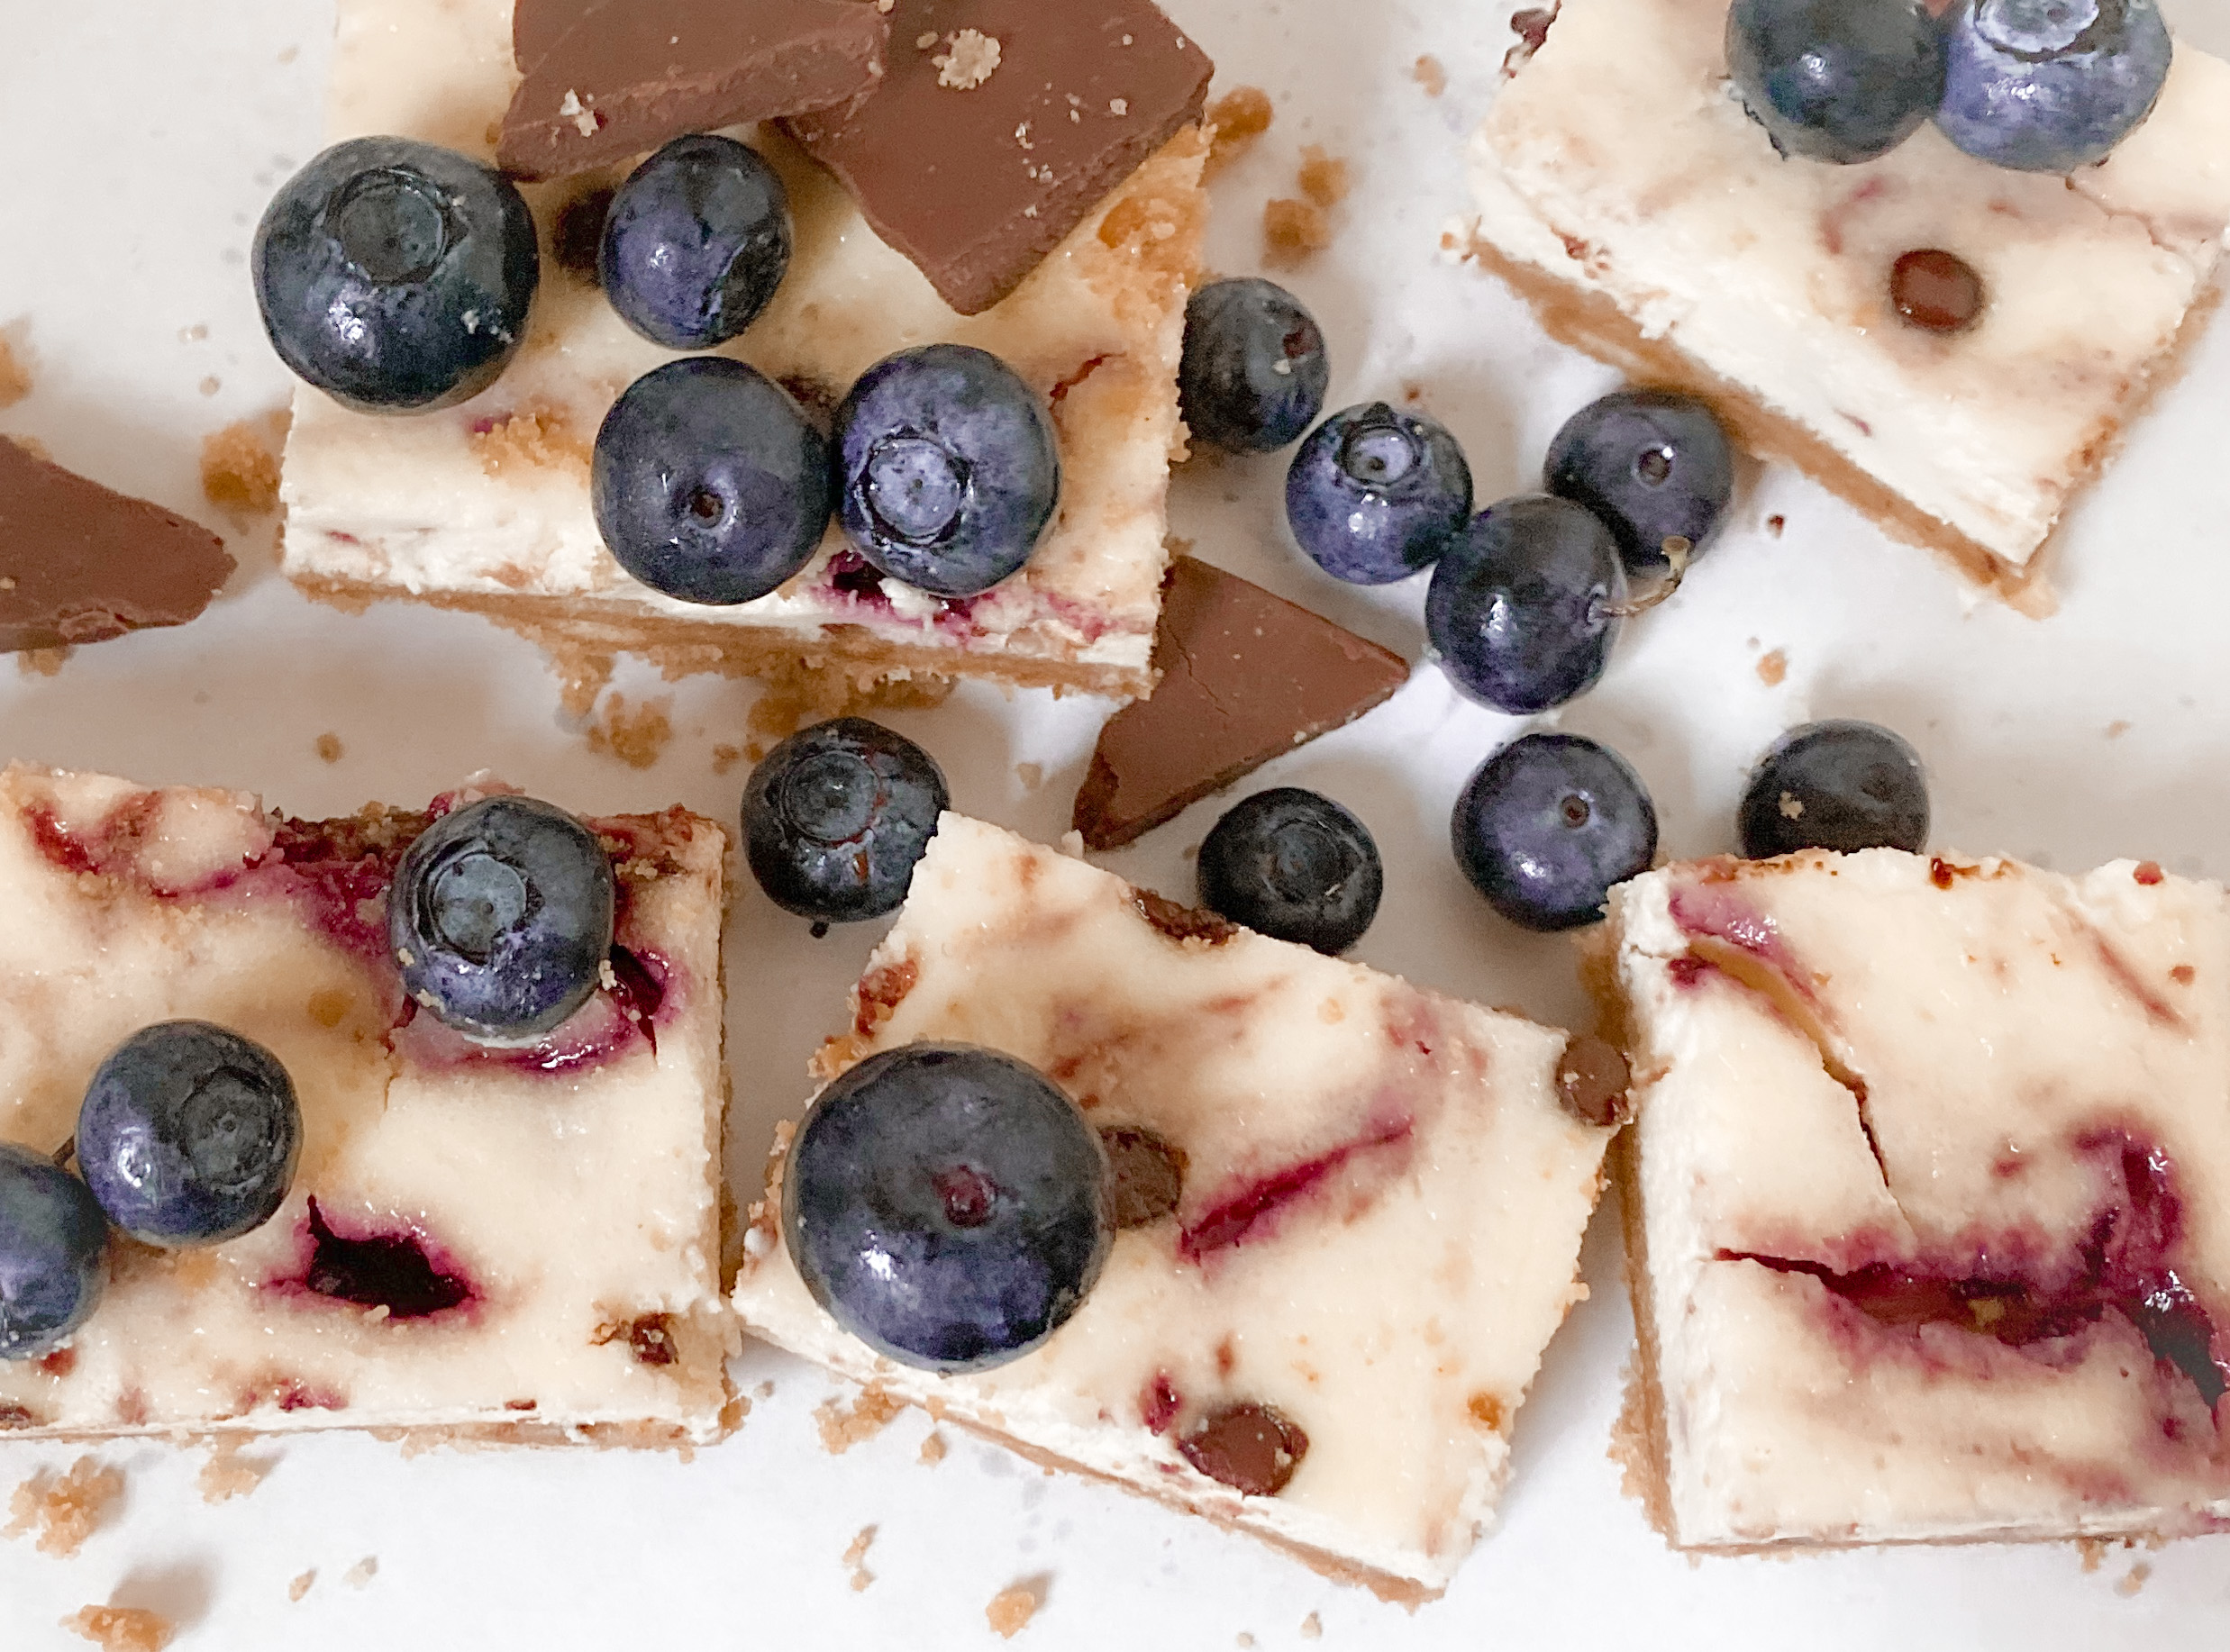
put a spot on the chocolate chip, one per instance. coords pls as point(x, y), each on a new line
point(1251, 1447)
point(1935, 290)
point(1145, 1174)
point(1591, 1079)
point(652, 1339)
point(577, 230)
point(1181, 923)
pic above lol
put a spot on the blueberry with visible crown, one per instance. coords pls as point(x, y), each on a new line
point(1549, 825)
point(1842, 785)
point(836, 815)
point(189, 1134)
point(1836, 80)
point(1653, 463)
point(1253, 370)
point(53, 1253)
point(2049, 86)
point(1291, 864)
point(501, 918)
point(947, 1204)
point(1375, 495)
point(947, 469)
point(396, 275)
point(695, 242)
point(1523, 606)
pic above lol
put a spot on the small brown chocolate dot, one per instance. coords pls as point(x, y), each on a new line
point(1251, 1447)
point(1145, 1174)
point(1935, 290)
point(1591, 1079)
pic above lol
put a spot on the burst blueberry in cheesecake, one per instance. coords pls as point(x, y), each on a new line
point(515, 1241)
point(1348, 1211)
point(1952, 346)
point(1928, 1199)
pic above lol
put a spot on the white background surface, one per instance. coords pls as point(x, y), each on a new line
point(144, 137)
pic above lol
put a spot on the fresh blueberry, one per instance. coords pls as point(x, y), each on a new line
point(1653, 465)
point(1548, 825)
point(1253, 371)
point(2049, 86)
point(1836, 80)
point(53, 1253)
point(695, 242)
point(947, 469)
point(836, 815)
point(188, 1134)
point(708, 484)
point(501, 918)
point(396, 275)
point(1296, 866)
point(1839, 784)
point(1521, 612)
point(1375, 495)
point(947, 1204)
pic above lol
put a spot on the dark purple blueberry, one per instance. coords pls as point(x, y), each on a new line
point(501, 918)
point(188, 1134)
point(947, 1204)
point(1520, 610)
point(1293, 865)
point(708, 484)
point(947, 471)
point(1653, 465)
point(695, 242)
point(1548, 825)
point(1839, 784)
point(1836, 80)
point(836, 815)
point(2049, 86)
point(1375, 495)
point(1253, 371)
point(53, 1253)
point(396, 275)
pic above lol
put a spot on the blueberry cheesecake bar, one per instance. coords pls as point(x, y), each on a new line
point(1260, 1234)
point(405, 1121)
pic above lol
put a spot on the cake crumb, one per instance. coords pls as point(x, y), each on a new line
point(2118, 728)
point(120, 1629)
point(239, 467)
point(815, 694)
point(15, 377)
point(2134, 1579)
point(636, 738)
point(1245, 1640)
point(933, 1449)
point(2094, 1551)
point(1312, 1627)
point(855, 1559)
point(1072, 844)
point(842, 1427)
point(66, 1509)
point(42, 662)
point(1323, 178)
point(1293, 230)
point(969, 62)
point(1636, 1447)
point(362, 1572)
point(1235, 120)
point(229, 1473)
point(765, 1390)
point(1772, 668)
point(726, 757)
point(1775, 524)
point(329, 747)
point(301, 1585)
point(1011, 1609)
point(1031, 775)
point(536, 436)
point(210, 385)
point(1428, 73)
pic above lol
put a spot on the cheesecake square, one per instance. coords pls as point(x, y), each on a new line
point(1620, 186)
point(1349, 1210)
point(506, 1244)
point(1928, 1199)
point(484, 506)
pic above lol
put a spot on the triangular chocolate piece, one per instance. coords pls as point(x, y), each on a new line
point(607, 81)
point(79, 562)
point(1245, 676)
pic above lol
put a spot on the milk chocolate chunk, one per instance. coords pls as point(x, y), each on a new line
point(80, 563)
point(1245, 675)
point(607, 81)
point(998, 125)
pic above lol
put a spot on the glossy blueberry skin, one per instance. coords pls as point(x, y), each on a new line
point(1375, 495)
point(1517, 612)
point(1838, 784)
point(53, 1253)
point(2049, 86)
point(501, 918)
point(189, 1134)
point(1293, 865)
point(1653, 465)
point(708, 484)
point(947, 1204)
point(1253, 370)
point(1548, 825)
point(947, 469)
point(396, 275)
point(836, 815)
point(1836, 80)
point(695, 242)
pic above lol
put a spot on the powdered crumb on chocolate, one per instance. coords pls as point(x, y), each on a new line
point(42, 662)
point(64, 1508)
point(726, 757)
point(239, 467)
point(934, 1448)
point(230, 1472)
point(1323, 178)
point(1235, 120)
point(1772, 668)
point(301, 1585)
point(1011, 1609)
point(855, 1558)
point(362, 1572)
point(1293, 230)
point(1428, 73)
point(1312, 1627)
point(842, 1427)
point(120, 1629)
point(637, 737)
point(969, 62)
point(329, 747)
point(15, 377)
point(527, 440)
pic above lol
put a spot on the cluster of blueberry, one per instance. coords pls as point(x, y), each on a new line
point(2038, 85)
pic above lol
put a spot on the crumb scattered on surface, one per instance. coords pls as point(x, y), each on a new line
point(211, 384)
point(814, 693)
point(969, 61)
point(362, 1572)
point(1293, 231)
point(765, 1390)
point(120, 1629)
point(933, 1449)
point(636, 737)
point(1312, 1627)
point(1011, 1609)
point(42, 662)
point(301, 1585)
point(194, 334)
point(1428, 73)
point(2118, 728)
point(1772, 668)
point(1236, 119)
point(1323, 178)
point(2094, 1551)
point(1245, 1640)
point(329, 747)
point(230, 1472)
point(64, 1508)
point(15, 377)
point(855, 1558)
point(725, 758)
point(240, 467)
point(1775, 524)
point(527, 439)
point(843, 1427)
point(2134, 1579)
point(1031, 775)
